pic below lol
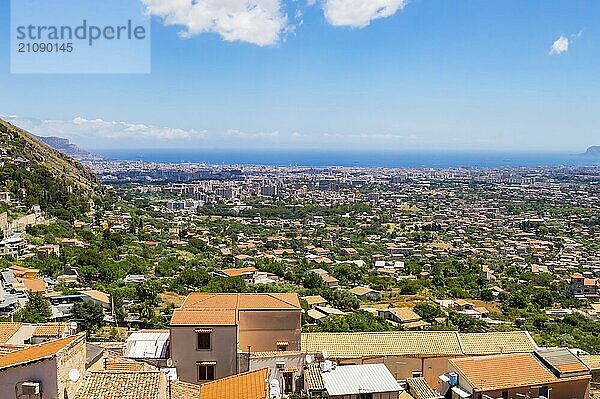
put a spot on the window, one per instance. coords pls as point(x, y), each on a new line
point(206, 372)
point(504, 394)
point(366, 396)
point(282, 346)
point(288, 382)
point(417, 374)
point(202, 340)
point(545, 392)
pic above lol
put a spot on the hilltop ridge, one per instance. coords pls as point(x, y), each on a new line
point(17, 143)
point(66, 147)
point(593, 150)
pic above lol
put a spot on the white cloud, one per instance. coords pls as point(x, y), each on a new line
point(560, 46)
point(259, 22)
point(100, 132)
point(359, 13)
point(246, 135)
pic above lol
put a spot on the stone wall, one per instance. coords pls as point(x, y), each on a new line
point(71, 357)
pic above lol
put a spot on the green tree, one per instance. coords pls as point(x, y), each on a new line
point(37, 310)
point(342, 299)
point(428, 311)
point(313, 281)
point(89, 315)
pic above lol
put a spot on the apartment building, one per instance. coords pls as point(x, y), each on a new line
point(582, 288)
point(210, 333)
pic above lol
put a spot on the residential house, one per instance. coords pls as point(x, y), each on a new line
point(555, 373)
point(366, 293)
point(99, 297)
point(48, 250)
point(411, 354)
point(26, 333)
point(210, 330)
point(315, 300)
point(581, 287)
point(50, 370)
point(109, 384)
point(330, 281)
point(404, 317)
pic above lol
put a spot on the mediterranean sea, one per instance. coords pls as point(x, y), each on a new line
point(370, 159)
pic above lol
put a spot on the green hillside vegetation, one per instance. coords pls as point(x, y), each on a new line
point(36, 174)
point(20, 144)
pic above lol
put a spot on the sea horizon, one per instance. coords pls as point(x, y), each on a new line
point(356, 158)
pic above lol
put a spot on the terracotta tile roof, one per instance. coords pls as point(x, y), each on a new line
point(250, 385)
point(50, 330)
point(591, 361)
point(352, 345)
point(314, 299)
point(7, 330)
point(503, 371)
point(122, 385)
point(404, 314)
point(185, 390)
point(416, 343)
point(361, 290)
point(124, 366)
point(267, 354)
point(221, 309)
point(36, 352)
point(34, 284)
point(405, 395)
point(419, 389)
point(199, 300)
point(496, 342)
point(6, 349)
point(238, 272)
point(208, 317)
point(97, 295)
point(313, 378)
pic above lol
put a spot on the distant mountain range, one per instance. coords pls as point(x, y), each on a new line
point(593, 151)
point(66, 147)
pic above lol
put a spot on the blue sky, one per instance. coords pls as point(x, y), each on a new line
point(336, 74)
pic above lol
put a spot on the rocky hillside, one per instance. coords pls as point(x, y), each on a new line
point(17, 144)
point(593, 151)
point(68, 148)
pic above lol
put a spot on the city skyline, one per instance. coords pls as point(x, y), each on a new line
point(336, 74)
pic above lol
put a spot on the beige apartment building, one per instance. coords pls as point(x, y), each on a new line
point(210, 333)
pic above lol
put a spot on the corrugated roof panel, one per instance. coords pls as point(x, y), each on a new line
point(357, 379)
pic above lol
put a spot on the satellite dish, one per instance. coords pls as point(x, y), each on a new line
point(324, 353)
point(308, 359)
point(74, 375)
point(169, 362)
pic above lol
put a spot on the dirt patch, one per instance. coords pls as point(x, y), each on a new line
point(172, 298)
